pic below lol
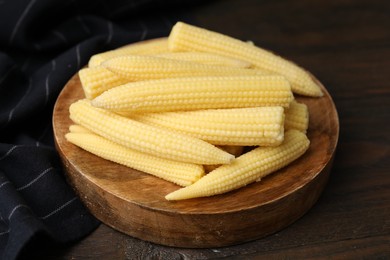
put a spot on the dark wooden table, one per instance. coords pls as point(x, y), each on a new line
point(346, 44)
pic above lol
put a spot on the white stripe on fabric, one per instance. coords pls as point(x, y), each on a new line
point(47, 89)
point(16, 208)
point(16, 28)
point(144, 30)
point(129, 4)
point(83, 25)
point(166, 21)
point(59, 208)
point(35, 179)
point(78, 56)
point(5, 75)
point(5, 232)
point(53, 65)
point(4, 183)
point(20, 101)
point(44, 132)
point(60, 35)
point(10, 115)
point(25, 64)
point(8, 152)
point(110, 32)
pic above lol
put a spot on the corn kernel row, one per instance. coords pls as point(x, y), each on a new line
point(193, 93)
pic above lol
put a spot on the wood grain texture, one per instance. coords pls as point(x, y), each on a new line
point(346, 44)
point(133, 202)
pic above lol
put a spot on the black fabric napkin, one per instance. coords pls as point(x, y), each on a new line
point(43, 43)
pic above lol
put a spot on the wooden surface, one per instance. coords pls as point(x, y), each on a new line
point(133, 202)
point(346, 44)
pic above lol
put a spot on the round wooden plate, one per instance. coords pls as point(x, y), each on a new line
point(133, 202)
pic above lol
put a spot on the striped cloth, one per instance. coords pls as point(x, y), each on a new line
point(42, 45)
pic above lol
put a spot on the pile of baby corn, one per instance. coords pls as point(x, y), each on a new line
point(183, 108)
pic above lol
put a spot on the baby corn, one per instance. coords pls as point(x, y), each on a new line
point(176, 94)
point(297, 117)
point(185, 37)
point(95, 81)
point(135, 68)
point(79, 129)
point(262, 126)
point(149, 47)
point(249, 167)
point(206, 58)
point(180, 173)
point(145, 138)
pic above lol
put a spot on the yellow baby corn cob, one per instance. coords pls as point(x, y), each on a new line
point(95, 81)
point(252, 126)
point(79, 129)
point(185, 37)
point(297, 117)
point(249, 167)
point(145, 138)
point(149, 47)
point(197, 93)
point(206, 58)
point(135, 68)
point(180, 173)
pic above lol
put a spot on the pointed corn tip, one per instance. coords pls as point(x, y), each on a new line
point(231, 158)
point(177, 194)
point(107, 64)
point(70, 137)
point(316, 91)
point(111, 63)
point(169, 196)
point(100, 101)
point(96, 102)
point(224, 158)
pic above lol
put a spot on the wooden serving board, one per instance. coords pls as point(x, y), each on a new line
point(133, 202)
